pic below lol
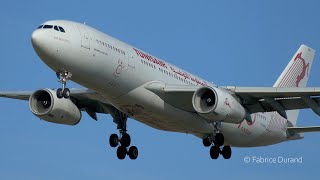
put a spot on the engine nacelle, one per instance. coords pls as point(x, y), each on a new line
point(47, 106)
point(216, 104)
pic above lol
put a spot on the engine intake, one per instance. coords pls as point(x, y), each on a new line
point(45, 105)
point(216, 104)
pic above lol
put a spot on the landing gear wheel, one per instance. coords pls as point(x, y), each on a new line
point(226, 152)
point(133, 152)
point(66, 93)
point(114, 140)
point(125, 140)
point(59, 93)
point(206, 141)
point(121, 152)
point(219, 140)
point(214, 152)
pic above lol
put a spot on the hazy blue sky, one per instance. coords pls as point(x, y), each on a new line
point(245, 43)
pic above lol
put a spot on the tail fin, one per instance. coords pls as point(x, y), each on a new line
point(296, 74)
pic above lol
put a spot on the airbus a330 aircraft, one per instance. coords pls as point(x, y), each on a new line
point(124, 81)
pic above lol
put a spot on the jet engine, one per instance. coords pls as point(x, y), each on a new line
point(217, 104)
point(47, 106)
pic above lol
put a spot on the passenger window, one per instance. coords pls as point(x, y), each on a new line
point(47, 27)
point(61, 29)
point(56, 28)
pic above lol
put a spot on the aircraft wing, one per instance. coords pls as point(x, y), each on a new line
point(304, 129)
point(85, 99)
point(21, 95)
point(254, 99)
point(266, 99)
point(179, 96)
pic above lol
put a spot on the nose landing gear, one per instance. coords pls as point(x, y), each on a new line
point(63, 77)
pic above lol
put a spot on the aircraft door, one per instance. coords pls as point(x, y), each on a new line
point(85, 39)
point(131, 62)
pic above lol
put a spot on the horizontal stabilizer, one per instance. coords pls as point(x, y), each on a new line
point(304, 129)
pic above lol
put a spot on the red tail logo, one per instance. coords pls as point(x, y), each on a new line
point(305, 68)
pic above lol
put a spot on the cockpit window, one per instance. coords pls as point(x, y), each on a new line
point(61, 29)
point(56, 28)
point(47, 27)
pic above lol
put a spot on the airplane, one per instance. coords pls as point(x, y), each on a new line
point(126, 82)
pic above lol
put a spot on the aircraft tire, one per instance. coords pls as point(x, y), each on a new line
point(214, 152)
point(59, 93)
point(206, 142)
point(113, 140)
point(226, 152)
point(66, 93)
point(125, 140)
point(133, 152)
point(121, 152)
point(219, 139)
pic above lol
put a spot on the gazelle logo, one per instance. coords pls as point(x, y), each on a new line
point(227, 103)
point(305, 68)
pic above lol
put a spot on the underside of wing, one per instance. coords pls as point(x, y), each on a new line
point(280, 99)
point(20, 95)
point(85, 99)
point(179, 96)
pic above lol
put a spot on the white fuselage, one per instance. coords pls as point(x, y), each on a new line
point(120, 72)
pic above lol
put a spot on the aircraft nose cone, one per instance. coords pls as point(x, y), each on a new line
point(39, 41)
point(36, 39)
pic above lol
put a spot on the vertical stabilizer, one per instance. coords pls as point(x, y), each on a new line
point(296, 74)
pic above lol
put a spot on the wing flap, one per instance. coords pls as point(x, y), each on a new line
point(287, 104)
point(274, 92)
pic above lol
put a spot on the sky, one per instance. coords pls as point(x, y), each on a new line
point(243, 43)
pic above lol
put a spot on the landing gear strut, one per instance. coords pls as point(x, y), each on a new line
point(63, 77)
point(124, 141)
point(217, 141)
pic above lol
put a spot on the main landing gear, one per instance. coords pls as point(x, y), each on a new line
point(63, 78)
point(217, 141)
point(124, 141)
point(123, 144)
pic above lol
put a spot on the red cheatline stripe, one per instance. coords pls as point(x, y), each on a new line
point(284, 76)
point(297, 72)
point(293, 75)
point(280, 83)
point(287, 75)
